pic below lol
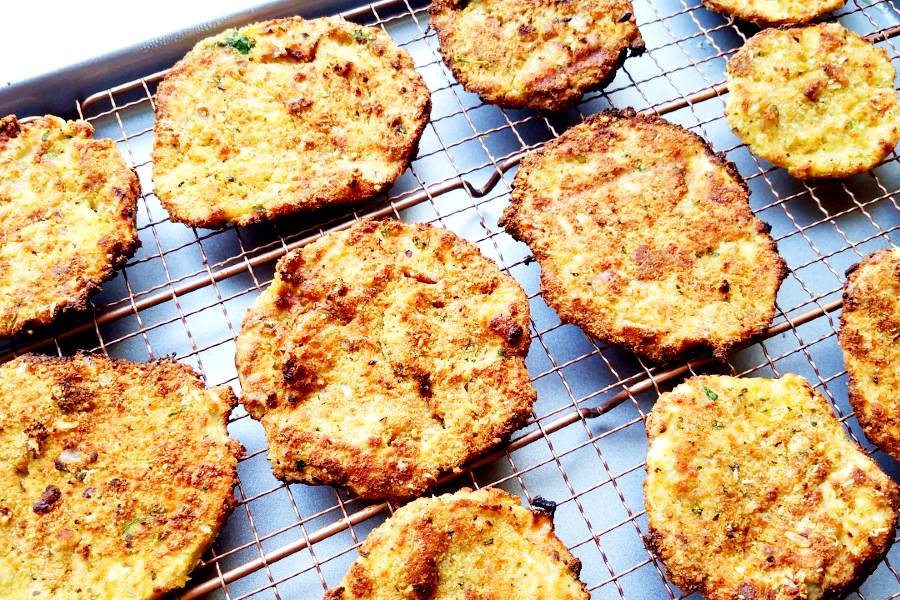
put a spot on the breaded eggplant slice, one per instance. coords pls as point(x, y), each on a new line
point(383, 356)
point(817, 100)
point(753, 490)
point(285, 116)
point(116, 476)
point(870, 338)
point(470, 544)
point(645, 237)
point(542, 54)
point(67, 218)
point(772, 13)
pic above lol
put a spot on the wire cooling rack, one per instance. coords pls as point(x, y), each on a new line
point(186, 291)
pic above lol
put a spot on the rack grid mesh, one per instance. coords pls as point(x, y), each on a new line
point(186, 290)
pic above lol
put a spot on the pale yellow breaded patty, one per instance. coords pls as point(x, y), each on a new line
point(645, 237)
point(536, 53)
point(284, 116)
point(471, 545)
point(771, 13)
point(754, 491)
point(67, 218)
point(115, 476)
point(870, 338)
point(384, 355)
point(817, 100)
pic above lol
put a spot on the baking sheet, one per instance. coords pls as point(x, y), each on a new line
point(186, 291)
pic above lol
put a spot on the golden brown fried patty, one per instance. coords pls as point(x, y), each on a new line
point(645, 237)
point(870, 337)
point(771, 13)
point(818, 100)
point(284, 116)
point(536, 53)
point(67, 218)
point(753, 490)
point(382, 356)
point(472, 544)
point(115, 477)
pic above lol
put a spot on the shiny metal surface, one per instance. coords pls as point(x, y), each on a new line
point(186, 291)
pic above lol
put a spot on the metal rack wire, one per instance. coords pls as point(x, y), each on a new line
point(186, 290)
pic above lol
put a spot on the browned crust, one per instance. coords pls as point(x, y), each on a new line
point(637, 341)
point(758, 19)
point(318, 458)
point(167, 374)
point(556, 92)
point(691, 583)
point(878, 421)
point(699, 580)
point(739, 65)
point(373, 480)
point(433, 541)
point(363, 189)
point(118, 248)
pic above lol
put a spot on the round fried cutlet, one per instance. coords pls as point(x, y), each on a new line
point(645, 237)
point(771, 13)
point(384, 355)
point(470, 544)
point(870, 338)
point(753, 490)
point(284, 116)
point(67, 218)
point(534, 53)
point(817, 100)
point(115, 478)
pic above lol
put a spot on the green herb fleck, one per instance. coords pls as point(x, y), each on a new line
point(363, 37)
point(814, 423)
point(237, 40)
point(400, 129)
point(503, 353)
point(259, 208)
point(489, 542)
point(52, 155)
point(127, 531)
point(697, 510)
point(230, 179)
point(176, 411)
point(710, 394)
point(470, 61)
point(718, 424)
